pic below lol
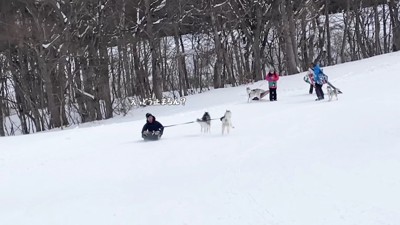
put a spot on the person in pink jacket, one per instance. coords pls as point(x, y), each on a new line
point(272, 77)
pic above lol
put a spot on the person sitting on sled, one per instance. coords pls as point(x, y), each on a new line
point(152, 129)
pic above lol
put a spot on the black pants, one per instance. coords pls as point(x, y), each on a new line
point(272, 94)
point(311, 89)
point(318, 91)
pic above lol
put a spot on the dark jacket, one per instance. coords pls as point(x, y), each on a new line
point(154, 126)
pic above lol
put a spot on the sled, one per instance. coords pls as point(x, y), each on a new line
point(152, 137)
point(262, 95)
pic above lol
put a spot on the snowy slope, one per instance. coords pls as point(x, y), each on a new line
point(290, 162)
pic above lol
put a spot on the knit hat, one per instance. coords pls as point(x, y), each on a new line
point(148, 114)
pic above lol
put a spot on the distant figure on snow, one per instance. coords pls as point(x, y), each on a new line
point(272, 77)
point(319, 80)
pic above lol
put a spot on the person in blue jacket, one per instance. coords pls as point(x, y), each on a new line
point(152, 129)
point(319, 79)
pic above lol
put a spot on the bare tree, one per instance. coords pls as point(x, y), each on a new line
point(395, 21)
point(2, 97)
point(154, 49)
point(288, 35)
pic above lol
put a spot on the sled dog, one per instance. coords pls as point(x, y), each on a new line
point(226, 122)
point(205, 122)
point(255, 94)
point(332, 92)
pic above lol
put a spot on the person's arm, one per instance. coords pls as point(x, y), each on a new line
point(160, 127)
point(276, 77)
point(144, 128)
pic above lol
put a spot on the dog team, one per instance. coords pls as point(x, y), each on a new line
point(153, 129)
point(226, 122)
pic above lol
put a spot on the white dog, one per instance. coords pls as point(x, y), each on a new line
point(226, 122)
point(332, 92)
point(205, 122)
point(255, 94)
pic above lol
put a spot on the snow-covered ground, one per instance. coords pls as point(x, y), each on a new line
point(290, 162)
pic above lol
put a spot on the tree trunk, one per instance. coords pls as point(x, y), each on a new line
point(246, 60)
point(180, 63)
point(385, 35)
point(83, 109)
point(321, 41)
point(140, 74)
point(185, 72)
point(59, 81)
point(311, 41)
point(218, 51)
point(238, 62)
point(2, 132)
point(104, 82)
point(90, 85)
point(394, 17)
point(345, 34)
point(303, 42)
point(328, 33)
point(256, 44)
point(127, 70)
point(378, 49)
point(358, 32)
point(288, 39)
point(292, 32)
point(154, 47)
point(48, 76)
